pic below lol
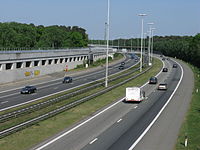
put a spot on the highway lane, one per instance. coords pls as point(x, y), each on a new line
point(123, 135)
point(89, 132)
point(13, 97)
point(164, 133)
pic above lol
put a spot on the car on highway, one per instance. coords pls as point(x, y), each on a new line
point(174, 65)
point(123, 63)
point(67, 79)
point(162, 86)
point(28, 90)
point(153, 80)
point(121, 67)
point(165, 70)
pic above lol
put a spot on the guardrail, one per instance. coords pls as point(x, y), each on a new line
point(35, 107)
point(63, 108)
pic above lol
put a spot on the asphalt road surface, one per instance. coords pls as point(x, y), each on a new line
point(120, 125)
point(12, 97)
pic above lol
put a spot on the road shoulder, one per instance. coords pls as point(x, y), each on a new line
point(163, 134)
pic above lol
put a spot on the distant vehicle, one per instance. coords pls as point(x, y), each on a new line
point(67, 80)
point(134, 94)
point(163, 59)
point(165, 70)
point(136, 59)
point(153, 80)
point(174, 65)
point(121, 67)
point(28, 90)
point(123, 63)
point(162, 86)
point(124, 50)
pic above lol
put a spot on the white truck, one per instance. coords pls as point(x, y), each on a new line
point(134, 94)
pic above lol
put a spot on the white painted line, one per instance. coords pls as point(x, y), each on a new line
point(9, 95)
point(136, 107)
point(4, 102)
point(157, 116)
point(81, 124)
point(119, 120)
point(156, 75)
point(93, 141)
point(57, 92)
point(57, 138)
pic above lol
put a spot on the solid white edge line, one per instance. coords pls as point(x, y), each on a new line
point(157, 116)
point(59, 92)
point(57, 138)
point(93, 141)
point(81, 124)
point(119, 120)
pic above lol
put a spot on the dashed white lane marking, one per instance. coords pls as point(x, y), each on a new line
point(135, 107)
point(93, 140)
point(4, 102)
point(119, 120)
point(8, 95)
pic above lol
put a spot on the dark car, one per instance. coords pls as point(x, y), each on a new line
point(153, 80)
point(165, 70)
point(28, 90)
point(162, 86)
point(163, 59)
point(123, 63)
point(67, 80)
point(121, 67)
point(174, 65)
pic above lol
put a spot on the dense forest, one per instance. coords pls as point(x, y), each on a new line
point(28, 36)
point(186, 48)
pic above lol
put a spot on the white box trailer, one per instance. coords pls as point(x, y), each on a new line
point(134, 94)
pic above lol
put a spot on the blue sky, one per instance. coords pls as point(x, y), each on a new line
point(171, 17)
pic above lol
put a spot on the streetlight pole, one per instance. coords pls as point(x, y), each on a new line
point(152, 29)
point(118, 43)
point(142, 15)
point(149, 44)
point(107, 35)
point(144, 51)
point(131, 44)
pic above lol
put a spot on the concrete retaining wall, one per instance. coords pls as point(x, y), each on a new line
point(15, 66)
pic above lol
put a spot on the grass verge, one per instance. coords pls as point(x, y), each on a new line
point(191, 125)
point(29, 137)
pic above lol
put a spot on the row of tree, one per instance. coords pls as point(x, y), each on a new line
point(186, 48)
point(17, 35)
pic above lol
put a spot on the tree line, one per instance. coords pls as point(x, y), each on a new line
point(186, 48)
point(17, 35)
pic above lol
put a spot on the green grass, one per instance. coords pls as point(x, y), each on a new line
point(33, 114)
point(29, 137)
point(191, 125)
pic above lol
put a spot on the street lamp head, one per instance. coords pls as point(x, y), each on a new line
point(151, 23)
point(142, 15)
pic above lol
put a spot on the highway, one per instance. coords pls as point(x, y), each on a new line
point(120, 125)
point(12, 97)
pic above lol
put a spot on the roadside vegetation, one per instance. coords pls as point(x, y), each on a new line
point(186, 48)
point(29, 137)
point(99, 62)
point(18, 36)
point(191, 125)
